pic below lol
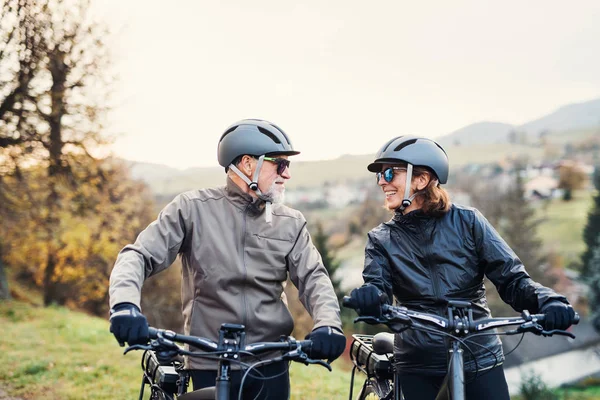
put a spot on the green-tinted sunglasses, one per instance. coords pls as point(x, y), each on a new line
point(282, 164)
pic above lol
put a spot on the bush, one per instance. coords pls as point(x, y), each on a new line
point(534, 388)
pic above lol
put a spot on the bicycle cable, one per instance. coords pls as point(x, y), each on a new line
point(257, 364)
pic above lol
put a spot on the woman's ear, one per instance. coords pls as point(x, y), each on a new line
point(422, 181)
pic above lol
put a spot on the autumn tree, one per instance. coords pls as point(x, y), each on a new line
point(52, 106)
point(570, 177)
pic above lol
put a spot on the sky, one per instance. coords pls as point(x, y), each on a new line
point(339, 76)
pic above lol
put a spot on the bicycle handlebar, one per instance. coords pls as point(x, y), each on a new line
point(460, 324)
point(162, 339)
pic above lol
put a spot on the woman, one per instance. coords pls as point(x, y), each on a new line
point(433, 251)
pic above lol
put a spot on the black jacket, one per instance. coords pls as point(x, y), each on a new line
point(424, 261)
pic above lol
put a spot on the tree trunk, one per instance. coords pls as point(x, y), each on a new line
point(4, 290)
point(56, 170)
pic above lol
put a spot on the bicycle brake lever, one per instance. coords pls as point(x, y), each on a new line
point(557, 332)
point(530, 326)
point(322, 363)
point(137, 347)
point(369, 320)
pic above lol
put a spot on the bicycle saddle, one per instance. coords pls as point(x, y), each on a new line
point(383, 343)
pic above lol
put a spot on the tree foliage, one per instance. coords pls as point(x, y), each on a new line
point(591, 231)
point(53, 91)
point(95, 220)
point(571, 177)
point(331, 264)
point(512, 216)
point(593, 272)
point(65, 211)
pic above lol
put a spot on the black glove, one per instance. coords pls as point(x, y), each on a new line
point(328, 343)
point(368, 300)
point(128, 324)
point(558, 315)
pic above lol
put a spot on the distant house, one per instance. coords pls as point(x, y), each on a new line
point(541, 187)
point(557, 360)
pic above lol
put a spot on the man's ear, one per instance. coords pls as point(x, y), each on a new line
point(246, 164)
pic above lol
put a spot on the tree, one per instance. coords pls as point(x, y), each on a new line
point(593, 272)
point(95, 220)
point(329, 261)
point(53, 103)
point(592, 229)
point(519, 229)
point(570, 177)
point(513, 217)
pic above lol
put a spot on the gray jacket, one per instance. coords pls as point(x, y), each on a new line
point(235, 265)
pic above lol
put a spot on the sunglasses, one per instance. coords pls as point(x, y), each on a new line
point(282, 164)
point(388, 173)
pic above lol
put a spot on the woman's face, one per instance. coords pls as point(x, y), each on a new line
point(394, 190)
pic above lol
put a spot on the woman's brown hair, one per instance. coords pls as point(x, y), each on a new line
point(436, 200)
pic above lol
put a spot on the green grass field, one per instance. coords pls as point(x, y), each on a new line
point(561, 229)
point(54, 353)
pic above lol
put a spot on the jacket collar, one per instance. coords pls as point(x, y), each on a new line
point(411, 218)
point(243, 200)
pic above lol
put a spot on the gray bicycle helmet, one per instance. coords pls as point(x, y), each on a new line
point(253, 137)
point(418, 151)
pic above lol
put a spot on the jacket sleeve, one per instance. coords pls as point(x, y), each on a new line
point(506, 271)
point(377, 267)
point(155, 249)
point(310, 276)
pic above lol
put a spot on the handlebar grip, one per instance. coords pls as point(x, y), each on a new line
point(348, 303)
point(152, 332)
point(542, 318)
point(306, 345)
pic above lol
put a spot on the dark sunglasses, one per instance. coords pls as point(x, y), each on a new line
point(388, 173)
point(282, 164)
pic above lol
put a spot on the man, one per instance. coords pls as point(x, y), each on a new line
point(237, 244)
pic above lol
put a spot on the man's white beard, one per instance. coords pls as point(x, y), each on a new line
point(276, 193)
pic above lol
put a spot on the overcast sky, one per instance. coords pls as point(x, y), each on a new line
point(340, 77)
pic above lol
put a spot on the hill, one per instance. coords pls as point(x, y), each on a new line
point(571, 117)
point(482, 142)
point(478, 133)
point(576, 116)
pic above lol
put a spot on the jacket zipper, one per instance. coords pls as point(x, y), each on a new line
point(244, 301)
point(433, 270)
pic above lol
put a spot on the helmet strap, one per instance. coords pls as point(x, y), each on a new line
point(407, 200)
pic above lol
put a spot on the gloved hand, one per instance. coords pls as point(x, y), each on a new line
point(128, 324)
point(558, 315)
point(368, 300)
point(328, 343)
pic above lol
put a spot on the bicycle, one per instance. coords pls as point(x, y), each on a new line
point(164, 372)
point(373, 355)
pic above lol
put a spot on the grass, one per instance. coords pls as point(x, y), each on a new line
point(54, 353)
point(562, 225)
